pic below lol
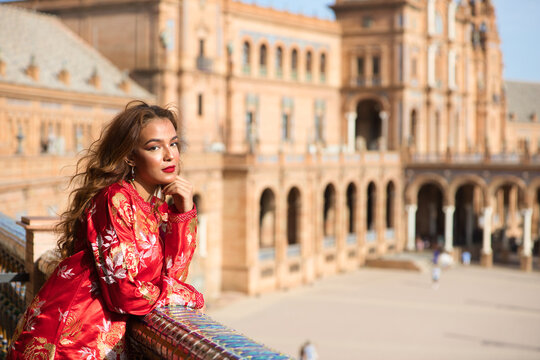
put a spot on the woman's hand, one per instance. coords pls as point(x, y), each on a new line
point(182, 193)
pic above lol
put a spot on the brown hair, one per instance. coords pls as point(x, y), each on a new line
point(104, 164)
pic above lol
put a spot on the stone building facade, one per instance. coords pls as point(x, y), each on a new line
point(314, 144)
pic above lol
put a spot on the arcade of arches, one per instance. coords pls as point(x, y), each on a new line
point(495, 221)
point(333, 228)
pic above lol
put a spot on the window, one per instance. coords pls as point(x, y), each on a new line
point(279, 62)
point(285, 127)
point(294, 64)
point(262, 59)
point(319, 128)
point(309, 62)
point(322, 69)
point(200, 104)
point(251, 131)
point(414, 67)
point(367, 22)
point(438, 23)
point(376, 70)
point(360, 72)
point(201, 48)
point(246, 58)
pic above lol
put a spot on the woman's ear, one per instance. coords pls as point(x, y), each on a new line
point(129, 160)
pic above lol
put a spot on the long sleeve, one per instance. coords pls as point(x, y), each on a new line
point(180, 239)
point(129, 257)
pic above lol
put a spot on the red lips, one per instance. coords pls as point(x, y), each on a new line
point(169, 169)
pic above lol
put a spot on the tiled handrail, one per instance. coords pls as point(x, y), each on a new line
point(177, 332)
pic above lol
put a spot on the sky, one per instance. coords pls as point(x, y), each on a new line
point(517, 20)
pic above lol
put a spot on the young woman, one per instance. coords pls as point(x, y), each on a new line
point(124, 250)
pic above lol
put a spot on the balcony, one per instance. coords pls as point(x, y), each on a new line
point(204, 64)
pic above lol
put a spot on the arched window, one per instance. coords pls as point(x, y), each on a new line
point(279, 61)
point(322, 67)
point(294, 64)
point(267, 219)
point(262, 59)
point(309, 64)
point(246, 58)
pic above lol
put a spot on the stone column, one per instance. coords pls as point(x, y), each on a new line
point(526, 255)
point(384, 119)
point(351, 131)
point(487, 254)
point(449, 227)
point(411, 226)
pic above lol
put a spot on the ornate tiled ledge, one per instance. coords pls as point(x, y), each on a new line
point(177, 332)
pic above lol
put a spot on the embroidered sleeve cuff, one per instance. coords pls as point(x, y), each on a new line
point(176, 217)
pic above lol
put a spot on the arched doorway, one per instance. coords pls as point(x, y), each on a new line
point(468, 203)
point(370, 206)
point(429, 216)
point(351, 213)
point(390, 205)
point(267, 219)
point(329, 215)
point(368, 124)
point(293, 216)
point(508, 233)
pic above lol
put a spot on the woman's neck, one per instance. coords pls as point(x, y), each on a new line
point(146, 191)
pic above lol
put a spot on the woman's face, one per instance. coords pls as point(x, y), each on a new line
point(156, 154)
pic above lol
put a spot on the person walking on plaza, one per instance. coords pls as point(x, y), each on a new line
point(124, 250)
point(308, 352)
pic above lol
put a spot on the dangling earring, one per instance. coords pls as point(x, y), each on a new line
point(132, 173)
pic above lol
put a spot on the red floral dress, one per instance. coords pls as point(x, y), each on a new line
point(135, 259)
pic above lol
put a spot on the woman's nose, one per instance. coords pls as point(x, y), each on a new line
point(168, 153)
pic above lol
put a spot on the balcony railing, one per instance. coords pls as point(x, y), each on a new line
point(177, 332)
point(294, 250)
point(266, 254)
point(173, 332)
point(329, 242)
point(352, 239)
point(389, 234)
point(371, 236)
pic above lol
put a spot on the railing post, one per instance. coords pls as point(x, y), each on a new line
point(40, 238)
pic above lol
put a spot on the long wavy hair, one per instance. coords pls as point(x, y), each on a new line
point(104, 164)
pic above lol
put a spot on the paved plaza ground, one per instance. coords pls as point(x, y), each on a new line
point(475, 313)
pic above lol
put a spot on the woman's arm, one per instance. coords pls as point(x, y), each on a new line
point(131, 275)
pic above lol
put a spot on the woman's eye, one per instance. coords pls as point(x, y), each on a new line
point(175, 144)
point(153, 148)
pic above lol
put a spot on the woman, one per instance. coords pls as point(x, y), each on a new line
point(124, 250)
